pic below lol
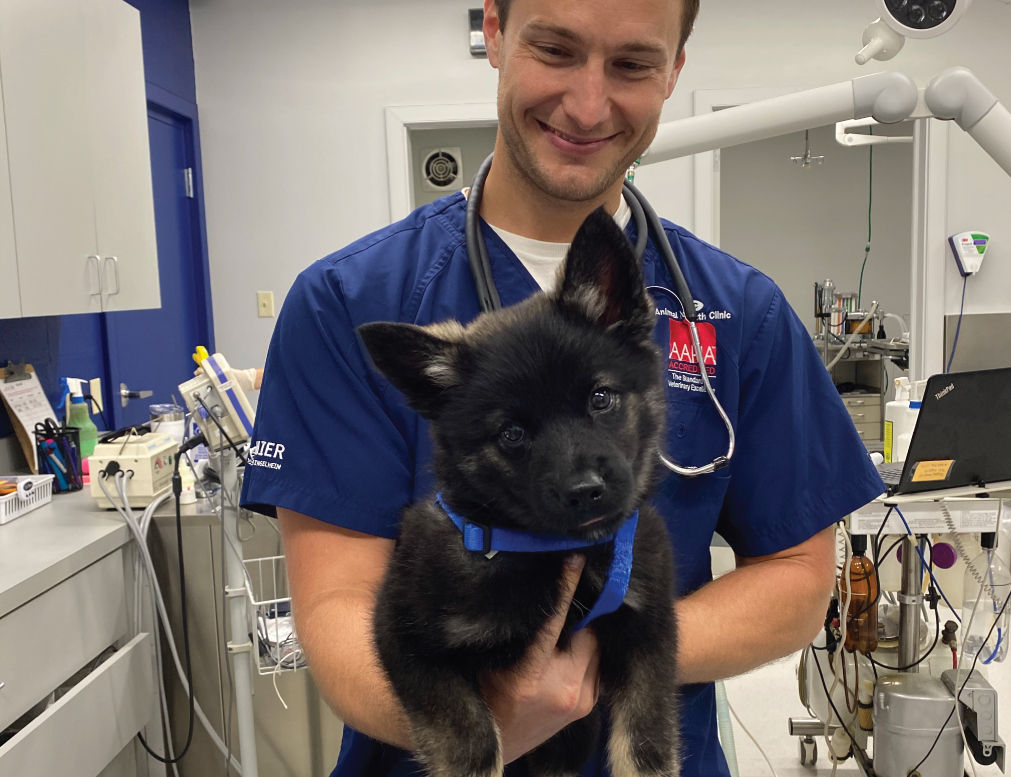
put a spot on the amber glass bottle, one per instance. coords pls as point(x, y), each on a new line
point(860, 582)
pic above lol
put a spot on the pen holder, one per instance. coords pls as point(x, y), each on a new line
point(59, 456)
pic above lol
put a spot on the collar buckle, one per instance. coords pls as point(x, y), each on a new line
point(477, 536)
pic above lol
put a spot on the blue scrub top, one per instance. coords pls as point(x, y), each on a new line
point(335, 441)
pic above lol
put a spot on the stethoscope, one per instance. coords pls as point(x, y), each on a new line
point(646, 221)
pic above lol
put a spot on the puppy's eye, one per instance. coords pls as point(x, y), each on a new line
point(602, 399)
point(511, 435)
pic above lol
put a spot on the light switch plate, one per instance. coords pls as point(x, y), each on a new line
point(265, 304)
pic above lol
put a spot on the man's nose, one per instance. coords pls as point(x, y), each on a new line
point(588, 102)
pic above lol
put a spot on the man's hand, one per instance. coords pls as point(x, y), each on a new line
point(549, 688)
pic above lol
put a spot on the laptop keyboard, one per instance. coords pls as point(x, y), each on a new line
point(891, 472)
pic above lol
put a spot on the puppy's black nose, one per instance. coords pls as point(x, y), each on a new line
point(584, 491)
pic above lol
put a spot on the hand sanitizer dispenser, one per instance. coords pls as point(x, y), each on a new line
point(969, 249)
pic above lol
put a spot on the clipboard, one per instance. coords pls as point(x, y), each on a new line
point(26, 405)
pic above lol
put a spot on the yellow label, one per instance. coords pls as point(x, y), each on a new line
point(932, 470)
point(888, 440)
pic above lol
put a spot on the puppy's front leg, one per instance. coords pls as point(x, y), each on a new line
point(639, 687)
point(452, 730)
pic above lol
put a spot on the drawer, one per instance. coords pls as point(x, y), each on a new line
point(89, 726)
point(865, 415)
point(51, 637)
point(869, 431)
point(861, 400)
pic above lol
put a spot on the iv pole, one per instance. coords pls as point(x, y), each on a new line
point(240, 647)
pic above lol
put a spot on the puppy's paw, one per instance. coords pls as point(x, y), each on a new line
point(640, 754)
point(445, 755)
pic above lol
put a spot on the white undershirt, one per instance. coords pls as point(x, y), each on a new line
point(542, 258)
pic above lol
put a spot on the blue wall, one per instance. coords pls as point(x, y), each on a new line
point(74, 345)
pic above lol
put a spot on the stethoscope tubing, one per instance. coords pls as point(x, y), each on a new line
point(646, 221)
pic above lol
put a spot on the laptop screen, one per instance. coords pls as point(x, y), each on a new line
point(963, 432)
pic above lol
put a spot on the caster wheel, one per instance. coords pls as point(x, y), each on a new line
point(808, 751)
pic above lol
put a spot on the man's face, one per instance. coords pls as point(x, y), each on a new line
point(581, 87)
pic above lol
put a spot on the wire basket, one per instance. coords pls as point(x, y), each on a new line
point(17, 503)
point(278, 648)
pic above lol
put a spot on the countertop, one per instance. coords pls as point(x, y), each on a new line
point(52, 542)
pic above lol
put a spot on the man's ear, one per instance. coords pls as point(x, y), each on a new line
point(492, 31)
point(602, 281)
point(422, 362)
point(672, 79)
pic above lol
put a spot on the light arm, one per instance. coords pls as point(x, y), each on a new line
point(958, 95)
point(955, 94)
point(888, 97)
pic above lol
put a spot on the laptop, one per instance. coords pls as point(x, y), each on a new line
point(962, 435)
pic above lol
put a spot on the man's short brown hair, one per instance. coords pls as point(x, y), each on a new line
point(689, 10)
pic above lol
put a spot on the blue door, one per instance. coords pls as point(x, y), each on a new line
point(149, 350)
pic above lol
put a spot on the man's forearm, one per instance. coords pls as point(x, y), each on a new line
point(346, 670)
point(761, 611)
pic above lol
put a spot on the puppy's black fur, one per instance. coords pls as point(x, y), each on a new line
point(545, 417)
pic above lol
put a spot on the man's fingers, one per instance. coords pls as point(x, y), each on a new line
point(584, 647)
point(552, 630)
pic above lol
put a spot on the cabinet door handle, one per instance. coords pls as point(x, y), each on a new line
point(98, 274)
point(115, 265)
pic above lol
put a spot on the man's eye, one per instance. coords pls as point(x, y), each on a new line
point(602, 399)
point(631, 68)
point(552, 52)
point(512, 435)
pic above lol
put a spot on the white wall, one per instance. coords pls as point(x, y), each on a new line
point(291, 98)
point(805, 224)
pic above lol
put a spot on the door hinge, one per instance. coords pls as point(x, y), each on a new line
point(188, 179)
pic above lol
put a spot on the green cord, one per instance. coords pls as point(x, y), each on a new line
point(870, 201)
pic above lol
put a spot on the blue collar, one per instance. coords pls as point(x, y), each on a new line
point(488, 540)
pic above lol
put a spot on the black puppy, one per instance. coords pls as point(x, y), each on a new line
point(545, 418)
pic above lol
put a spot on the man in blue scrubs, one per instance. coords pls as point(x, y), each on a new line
point(337, 453)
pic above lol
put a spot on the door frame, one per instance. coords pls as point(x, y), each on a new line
point(401, 119)
point(163, 104)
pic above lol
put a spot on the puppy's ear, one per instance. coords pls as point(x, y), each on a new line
point(602, 280)
point(420, 361)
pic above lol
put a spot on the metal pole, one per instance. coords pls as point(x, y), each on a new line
point(240, 648)
point(910, 598)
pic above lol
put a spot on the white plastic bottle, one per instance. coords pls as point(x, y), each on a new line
point(900, 418)
point(985, 591)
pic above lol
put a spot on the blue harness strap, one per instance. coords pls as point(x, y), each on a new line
point(480, 538)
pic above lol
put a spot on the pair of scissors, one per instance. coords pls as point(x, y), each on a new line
point(8, 486)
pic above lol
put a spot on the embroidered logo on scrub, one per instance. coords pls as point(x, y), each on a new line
point(265, 450)
point(683, 363)
point(674, 334)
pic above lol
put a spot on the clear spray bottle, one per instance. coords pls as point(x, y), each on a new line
point(985, 590)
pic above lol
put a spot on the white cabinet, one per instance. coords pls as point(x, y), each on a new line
point(76, 673)
point(10, 298)
point(78, 157)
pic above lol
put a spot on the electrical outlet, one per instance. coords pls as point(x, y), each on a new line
point(265, 304)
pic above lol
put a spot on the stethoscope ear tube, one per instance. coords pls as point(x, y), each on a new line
point(477, 252)
point(645, 220)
